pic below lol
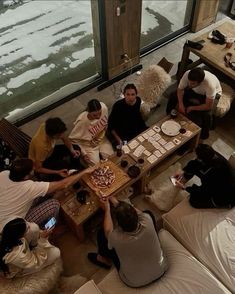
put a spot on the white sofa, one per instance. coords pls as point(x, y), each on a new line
point(209, 234)
point(186, 274)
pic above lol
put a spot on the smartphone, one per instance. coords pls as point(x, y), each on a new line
point(50, 224)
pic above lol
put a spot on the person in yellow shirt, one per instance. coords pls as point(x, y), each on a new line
point(52, 161)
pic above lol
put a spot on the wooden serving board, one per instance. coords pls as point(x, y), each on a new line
point(121, 178)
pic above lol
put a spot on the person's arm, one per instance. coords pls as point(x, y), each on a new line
point(63, 184)
point(205, 106)
point(68, 144)
point(113, 123)
point(116, 137)
point(38, 167)
point(180, 95)
point(108, 222)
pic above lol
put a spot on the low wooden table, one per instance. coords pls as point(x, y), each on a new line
point(191, 138)
point(76, 214)
point(211, 54)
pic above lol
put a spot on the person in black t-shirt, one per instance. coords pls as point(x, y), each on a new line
point(217, 179)
point(125, 121)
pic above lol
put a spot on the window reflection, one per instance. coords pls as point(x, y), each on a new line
point(44, 46)
point(162, 18)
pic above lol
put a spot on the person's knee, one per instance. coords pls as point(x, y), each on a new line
point(32, 233)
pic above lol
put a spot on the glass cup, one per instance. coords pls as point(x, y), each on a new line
point(229, 43)
point(119, 150)
point(174, 113)
point(140, 162)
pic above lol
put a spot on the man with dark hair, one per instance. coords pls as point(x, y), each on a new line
point(217, 177)
point(22, 197)
point(52, 161)
point(133, 246)
point(195, 96)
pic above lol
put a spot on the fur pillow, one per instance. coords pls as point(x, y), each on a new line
point(225, 101)
point(152, 83)
point(38, 283)
point(165, 195)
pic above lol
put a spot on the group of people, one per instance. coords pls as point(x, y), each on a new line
point(128, 238)
point(26, 190)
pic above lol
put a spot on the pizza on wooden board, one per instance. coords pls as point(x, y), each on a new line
point(102, 177)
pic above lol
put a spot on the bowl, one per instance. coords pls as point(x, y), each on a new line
point(133, 171)
point(124, 163)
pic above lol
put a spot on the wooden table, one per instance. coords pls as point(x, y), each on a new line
point(169, 156)
point(211, 54)
point(76, 214)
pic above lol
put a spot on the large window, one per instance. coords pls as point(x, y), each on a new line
point(46, 50)
point(163, 18)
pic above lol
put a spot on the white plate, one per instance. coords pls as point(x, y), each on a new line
point(170, 128)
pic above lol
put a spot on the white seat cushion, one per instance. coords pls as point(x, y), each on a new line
point(88, 288)
point(209, 234)
point(185, 275)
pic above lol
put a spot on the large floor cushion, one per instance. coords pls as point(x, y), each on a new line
point(185, 275)
point(209, 234)
point(37, 283)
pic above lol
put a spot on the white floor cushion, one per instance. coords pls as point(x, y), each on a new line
point(185, 275)
point(209, 234)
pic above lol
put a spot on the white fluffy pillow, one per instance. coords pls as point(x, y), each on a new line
point(165, 195)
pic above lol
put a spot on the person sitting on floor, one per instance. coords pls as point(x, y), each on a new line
point(125, 121)
point(18, 257)
point(133, 246)
point(89, 132)
point(52, 161)
point(217, 179)
point(21, 196)
point(195, 96)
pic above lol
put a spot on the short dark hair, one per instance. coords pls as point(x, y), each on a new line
point(130, 86)
point(54, 126)
point(196, 74)
point(127, 217)
point(205, 152)
point(93, 105)
point(20, 168)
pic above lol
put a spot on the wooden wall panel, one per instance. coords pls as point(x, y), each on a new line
point(123, 34)
point(204, 14)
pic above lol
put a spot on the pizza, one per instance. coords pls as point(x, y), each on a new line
point(103, 177)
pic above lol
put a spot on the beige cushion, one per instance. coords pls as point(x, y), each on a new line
point(88, 288)
point(209, 234)
point(225, 100)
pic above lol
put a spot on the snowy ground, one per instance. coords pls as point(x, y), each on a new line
point(45, 45)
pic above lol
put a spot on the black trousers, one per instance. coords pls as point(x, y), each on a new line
point(199, 198)
point(202, 118)
point(61, 158)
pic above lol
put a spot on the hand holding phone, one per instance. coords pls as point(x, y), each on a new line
point(50, 224)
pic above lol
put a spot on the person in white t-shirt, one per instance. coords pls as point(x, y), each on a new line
point(89, 132)
point(22, 197)
point(195, 96)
